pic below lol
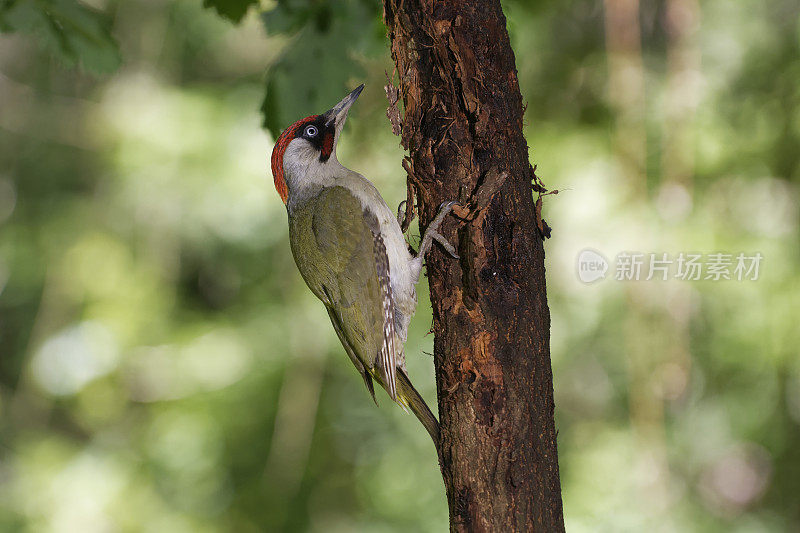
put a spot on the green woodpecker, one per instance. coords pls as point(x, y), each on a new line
point(351, 252)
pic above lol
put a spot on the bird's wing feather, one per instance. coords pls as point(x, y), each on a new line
point(337, 325)
point(354, 278)
point(387, 354)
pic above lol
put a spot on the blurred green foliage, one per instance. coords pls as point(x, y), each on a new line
point(314, 69)
point(68, 29)
point(233, 10)
point(163, 367)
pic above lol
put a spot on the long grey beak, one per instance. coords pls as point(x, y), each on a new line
point(338, 113)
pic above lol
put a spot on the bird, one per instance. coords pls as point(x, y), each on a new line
point(351, 252)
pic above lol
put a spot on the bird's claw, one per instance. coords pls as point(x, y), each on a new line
point(432, 233)
point(401, 216)
point(449, 248)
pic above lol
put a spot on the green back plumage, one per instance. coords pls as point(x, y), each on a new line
point(339, 251)
point(332, 244)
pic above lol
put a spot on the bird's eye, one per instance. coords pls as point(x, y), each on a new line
point(311, 131)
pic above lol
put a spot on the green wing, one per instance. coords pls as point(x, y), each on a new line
point(340, 253)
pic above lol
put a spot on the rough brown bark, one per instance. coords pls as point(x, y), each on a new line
point(463, 128)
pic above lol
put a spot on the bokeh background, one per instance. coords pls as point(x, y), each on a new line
point(163, 367)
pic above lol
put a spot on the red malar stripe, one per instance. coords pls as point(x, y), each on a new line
point(277, 155)
point(327, 146)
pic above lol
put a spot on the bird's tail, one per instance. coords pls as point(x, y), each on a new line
point(408, 395)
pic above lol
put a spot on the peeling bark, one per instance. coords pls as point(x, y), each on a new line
point(462, 126)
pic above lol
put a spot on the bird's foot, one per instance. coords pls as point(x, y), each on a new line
point(401, 213)
point(405, 214)
point(432, 232)
point(449, 248)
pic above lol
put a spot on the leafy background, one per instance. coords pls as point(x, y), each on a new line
point(163, 368)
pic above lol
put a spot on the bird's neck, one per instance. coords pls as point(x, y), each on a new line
point(305, 177)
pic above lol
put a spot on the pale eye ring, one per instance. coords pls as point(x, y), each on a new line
point(311, 131)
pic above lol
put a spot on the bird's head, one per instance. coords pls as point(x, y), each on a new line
point(308, 145)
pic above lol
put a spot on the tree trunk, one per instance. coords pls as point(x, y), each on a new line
point(463, 129)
